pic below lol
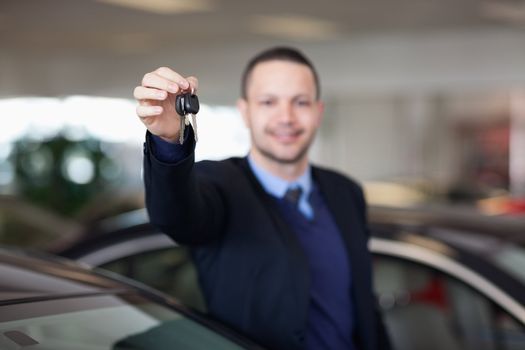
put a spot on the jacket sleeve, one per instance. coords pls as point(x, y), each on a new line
point(179, 202)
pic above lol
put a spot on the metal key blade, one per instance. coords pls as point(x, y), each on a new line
point(194, 125)
point(182, 128)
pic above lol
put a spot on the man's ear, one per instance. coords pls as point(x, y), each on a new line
point(242, 106)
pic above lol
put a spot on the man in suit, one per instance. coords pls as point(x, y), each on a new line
point(280, 245)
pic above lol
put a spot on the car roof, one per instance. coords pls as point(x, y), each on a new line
point(30, 276)
point(460, 220)
point(434, 222)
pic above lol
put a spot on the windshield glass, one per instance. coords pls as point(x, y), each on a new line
point(103, 322)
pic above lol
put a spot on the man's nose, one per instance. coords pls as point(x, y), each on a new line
point(286, 113)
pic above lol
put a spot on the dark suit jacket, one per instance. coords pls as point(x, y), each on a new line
point(252, 270)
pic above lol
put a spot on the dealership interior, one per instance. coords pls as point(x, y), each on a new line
point(424, 105)
point(423, 99)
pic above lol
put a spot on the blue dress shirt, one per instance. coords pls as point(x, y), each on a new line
point(277, 187)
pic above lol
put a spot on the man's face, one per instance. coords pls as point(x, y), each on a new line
point(281, 110)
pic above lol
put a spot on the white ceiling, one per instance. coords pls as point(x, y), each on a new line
point(60, 47)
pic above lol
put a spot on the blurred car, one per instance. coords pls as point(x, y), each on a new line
point(444, 279)
point(46, 303)
point(43, 229)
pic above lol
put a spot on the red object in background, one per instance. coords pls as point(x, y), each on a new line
point(515, 206)
point(433, 294)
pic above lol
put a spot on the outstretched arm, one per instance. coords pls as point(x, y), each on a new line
point(181, 204)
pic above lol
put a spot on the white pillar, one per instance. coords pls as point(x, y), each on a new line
point(517, 143)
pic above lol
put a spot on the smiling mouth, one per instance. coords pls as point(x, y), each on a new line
point(286, 136)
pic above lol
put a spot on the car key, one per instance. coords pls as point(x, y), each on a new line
point(187, 106)
point(182, 128)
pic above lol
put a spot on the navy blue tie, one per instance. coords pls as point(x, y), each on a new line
point(292, 196)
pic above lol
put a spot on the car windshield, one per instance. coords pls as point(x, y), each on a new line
point(103, 322)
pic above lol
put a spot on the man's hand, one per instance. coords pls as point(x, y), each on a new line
point(156, 97)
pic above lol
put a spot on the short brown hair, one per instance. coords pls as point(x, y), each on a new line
point(280, 53)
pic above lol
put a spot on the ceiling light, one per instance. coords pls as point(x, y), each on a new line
point(295, 27)
point(507, 11)
point(164, 6)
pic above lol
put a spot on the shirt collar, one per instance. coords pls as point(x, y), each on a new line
point(276, 186)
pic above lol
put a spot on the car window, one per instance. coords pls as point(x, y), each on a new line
point(504, 254)
point(512, 260)
point(426, 309)
point(103, 322)
point(169, 270)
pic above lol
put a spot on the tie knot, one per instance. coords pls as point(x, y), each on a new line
point(293, 194)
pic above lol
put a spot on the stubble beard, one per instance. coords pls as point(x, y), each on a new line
point(301, 154)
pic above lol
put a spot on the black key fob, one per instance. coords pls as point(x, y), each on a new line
point(187, 103)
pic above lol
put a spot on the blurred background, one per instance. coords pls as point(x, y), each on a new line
point(425, 99)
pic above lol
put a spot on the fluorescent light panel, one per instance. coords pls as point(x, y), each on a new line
point(164, 6)
point(506, 11)
point(295, 27)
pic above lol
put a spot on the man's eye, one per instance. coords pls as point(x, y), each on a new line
point(266, 102)
point(303, 103)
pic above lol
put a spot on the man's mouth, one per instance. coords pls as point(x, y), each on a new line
point(286, 136)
